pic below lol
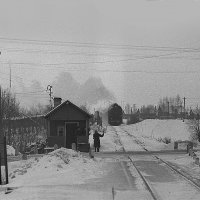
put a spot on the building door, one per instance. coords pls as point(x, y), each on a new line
point(71, 134)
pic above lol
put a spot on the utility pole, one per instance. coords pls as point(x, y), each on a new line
point(9, 129)
point(1, 137)
point(181, 110)
point(49, 88)
point(184, 108)
point(1, 120)
point(168, 107)
point(10, 74)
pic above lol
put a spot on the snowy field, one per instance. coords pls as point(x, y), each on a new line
point(154, 133)
point(66, 174)
point(174, 129)
point(61, 167)
point(151, 133)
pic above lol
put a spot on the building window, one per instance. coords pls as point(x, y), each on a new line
point(60, 131)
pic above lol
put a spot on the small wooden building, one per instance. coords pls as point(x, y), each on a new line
point(67, 124)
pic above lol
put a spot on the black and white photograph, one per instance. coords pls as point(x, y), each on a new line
point(99, 99)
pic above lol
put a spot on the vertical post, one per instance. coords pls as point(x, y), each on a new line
point(184, 108)
point(0, 133)
point(168, 107)
point(181, 111)
point(1, 124)
point(10, 74)
point(86, 127)
point(0, 170)
point(5, 157)
point(9, 131)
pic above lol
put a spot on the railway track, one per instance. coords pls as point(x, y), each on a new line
point(148, 186)
point(135, 139)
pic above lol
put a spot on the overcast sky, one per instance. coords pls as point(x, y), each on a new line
point(142, 49)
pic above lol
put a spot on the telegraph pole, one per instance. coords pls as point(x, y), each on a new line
point(168, 107)
point(1, 128)
point(184, 108)
point(1, 136)
point(10, 74)
point(1, 122)
point(49, 88)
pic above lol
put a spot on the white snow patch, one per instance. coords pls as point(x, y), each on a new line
point(174, 129)
point(10, 150)
point(65, 165)
point(139, 182)
point(151, 133)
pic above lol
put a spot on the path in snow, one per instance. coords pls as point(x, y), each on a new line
point(129, 143)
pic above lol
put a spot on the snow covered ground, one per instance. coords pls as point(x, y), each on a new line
point(66, 174)
point(185, 164)
point(151, 134)
point(10, 151)
point(62, 163)
point(60, 167)
point(174, 129)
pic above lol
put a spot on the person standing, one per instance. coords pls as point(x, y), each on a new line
point(96, 137)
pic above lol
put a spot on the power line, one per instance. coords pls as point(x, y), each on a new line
point(35, 92)
point(186, 50)
point(90, 44)
point(92, 62)
point(106, 70)
point(115, 71)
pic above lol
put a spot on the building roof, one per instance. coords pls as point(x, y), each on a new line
point(63, 104)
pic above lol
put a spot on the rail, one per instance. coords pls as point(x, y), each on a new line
point(188, 178)
point(147, 185)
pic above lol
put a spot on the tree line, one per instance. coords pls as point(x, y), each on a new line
point(21, 125)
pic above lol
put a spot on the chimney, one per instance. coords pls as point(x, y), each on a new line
point(57, 101)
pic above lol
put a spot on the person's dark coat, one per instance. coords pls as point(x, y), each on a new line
point(96, 137)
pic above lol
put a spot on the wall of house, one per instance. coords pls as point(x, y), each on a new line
point(54, 124)
point(52, 140)
point(55, 138)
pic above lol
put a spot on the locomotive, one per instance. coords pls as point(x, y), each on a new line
point(115, 115)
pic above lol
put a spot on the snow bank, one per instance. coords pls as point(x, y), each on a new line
point(10, 150)
point(62, 165)
point(151, 134)
point(174, 129)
